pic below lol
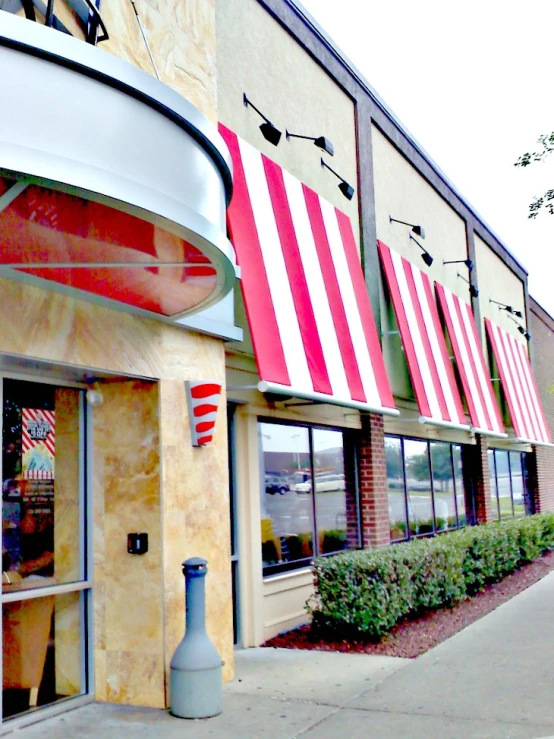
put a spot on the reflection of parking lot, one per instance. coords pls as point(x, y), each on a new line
point(292, 513)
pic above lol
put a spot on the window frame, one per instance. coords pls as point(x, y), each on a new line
point(351, 457)
point(409, 536)
point(524, 479)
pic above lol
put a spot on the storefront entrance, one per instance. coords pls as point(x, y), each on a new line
point(46, 590)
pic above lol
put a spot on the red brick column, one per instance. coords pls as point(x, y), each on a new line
point(544, 493)
point(483, 507)
point(373, 483)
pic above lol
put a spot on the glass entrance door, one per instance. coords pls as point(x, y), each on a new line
point(45, 581)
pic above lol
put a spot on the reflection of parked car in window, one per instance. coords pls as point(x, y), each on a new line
point(274, 484)
point(323, 484)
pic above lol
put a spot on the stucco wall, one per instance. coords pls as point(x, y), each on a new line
point(498, 282)
point(256, 56)
point(181, 36)
point(401, 192)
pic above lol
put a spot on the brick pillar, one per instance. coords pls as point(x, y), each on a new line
point(483, 507)
point(373, 483)
point(544, 480)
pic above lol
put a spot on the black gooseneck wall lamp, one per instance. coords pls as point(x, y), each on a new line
point(473, 291)
point(468, 263)
point(320, 141)
point(427, 258)
point(270, 132)
point(507, 308)
point(416, 229)
point(346, 189)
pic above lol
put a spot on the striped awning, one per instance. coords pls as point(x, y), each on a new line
point(518, 384)
point(424, 344)
point(470, 361)
point(306, 301)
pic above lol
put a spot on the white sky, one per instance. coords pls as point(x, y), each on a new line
point(471, 82)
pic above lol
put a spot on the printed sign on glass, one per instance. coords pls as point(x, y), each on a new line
point(38, 444)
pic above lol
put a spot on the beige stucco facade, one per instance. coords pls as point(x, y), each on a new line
point(292, 90)
point(498, 282)
point(145, 474)
point(401, 192)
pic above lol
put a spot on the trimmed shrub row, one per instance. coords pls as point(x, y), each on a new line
point(363, 594)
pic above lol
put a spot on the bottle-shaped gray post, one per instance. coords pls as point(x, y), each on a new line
point(196, 682)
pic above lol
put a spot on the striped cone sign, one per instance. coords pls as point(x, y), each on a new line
point(203, 400)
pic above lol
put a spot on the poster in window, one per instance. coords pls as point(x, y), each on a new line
point(38, 444)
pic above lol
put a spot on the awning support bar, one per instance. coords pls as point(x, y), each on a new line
point(10, 195)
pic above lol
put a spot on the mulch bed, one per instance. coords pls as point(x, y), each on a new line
point(410, 638)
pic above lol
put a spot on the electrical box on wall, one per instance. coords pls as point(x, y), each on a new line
point(137, 543)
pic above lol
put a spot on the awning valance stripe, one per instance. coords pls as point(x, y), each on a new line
point(470, 360)
point(519, 386)
point(304, 291)
point(423, 340)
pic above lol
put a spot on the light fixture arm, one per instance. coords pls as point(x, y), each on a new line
point(290, 135)
point(324, 164)
point(416, 228)
point(468, 263)
point(320, 141)
point(413, 238)
point(404, 223)
point(507, 308)
point(427, 258)
point(346, 189)
point(473, 291)
point(248, 104)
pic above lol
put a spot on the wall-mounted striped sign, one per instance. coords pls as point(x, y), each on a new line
point(38, 444)
point(203, 400)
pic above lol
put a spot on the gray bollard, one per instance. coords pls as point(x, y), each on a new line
point(196, 681)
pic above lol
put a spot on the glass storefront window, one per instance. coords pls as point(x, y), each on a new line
point(425, 486)
point(395, 488)
point(41, 651)
point(516, 474)
point(503, 484)
point(418, 487)
point(331, 496)
point(40, 484)
point(459, 482)
point(43, 525)
point(285, 494)
point(492, 481)
point(443, 486)
point(308, 504)
point(510, 486)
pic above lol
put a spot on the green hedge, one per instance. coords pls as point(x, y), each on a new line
point(363, 594)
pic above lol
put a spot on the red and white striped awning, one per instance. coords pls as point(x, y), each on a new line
point(421, 332)
point(308, 310)
point(519, 386)
point(470, 360)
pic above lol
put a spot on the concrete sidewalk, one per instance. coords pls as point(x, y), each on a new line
point(493, 680)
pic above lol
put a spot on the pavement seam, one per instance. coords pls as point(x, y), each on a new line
point(448, 716)
point(316, 723)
